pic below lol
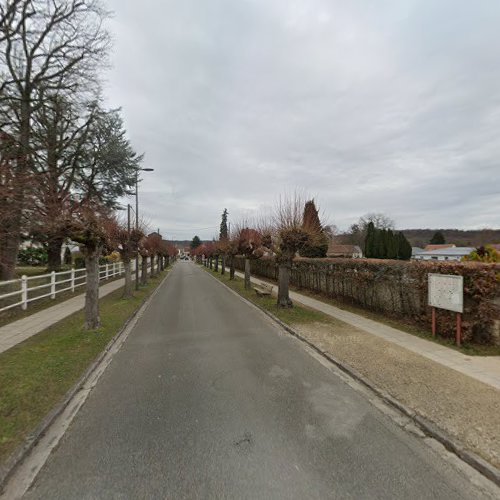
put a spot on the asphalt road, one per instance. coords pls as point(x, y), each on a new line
point(208, 399)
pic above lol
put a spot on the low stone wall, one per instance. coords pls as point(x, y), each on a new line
point(399, 289)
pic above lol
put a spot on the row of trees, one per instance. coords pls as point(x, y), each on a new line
point(293, 228)
point(65, 160)
point(63, 156)
point(386, 244)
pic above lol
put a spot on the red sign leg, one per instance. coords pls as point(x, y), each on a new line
point(459, 329)
point(433, 321)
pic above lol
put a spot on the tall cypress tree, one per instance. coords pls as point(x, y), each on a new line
point(223, 225)
point(318, 244)
point(370, 241)
point(404, 247)
point(392, 245)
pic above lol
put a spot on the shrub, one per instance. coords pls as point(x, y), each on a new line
point(32, 256)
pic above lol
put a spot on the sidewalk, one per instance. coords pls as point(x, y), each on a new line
point(20, 330)
point(486, 369)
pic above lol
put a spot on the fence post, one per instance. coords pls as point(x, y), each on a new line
point(24, 292)
point(114, 271)
point(107, 271)
point(53, 285)
point(72, 279)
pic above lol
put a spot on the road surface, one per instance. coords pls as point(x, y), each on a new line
point(208, 399)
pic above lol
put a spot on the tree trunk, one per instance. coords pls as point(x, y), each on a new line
point(223, 265)
point(92, 320)
point(9, 248)
point(144, 270)
point(231, 268)
point(54, 254)
point(210, 262)
point(152, 262)
point(248, 284)
point(216, 264)
point(284, 286)
point(127, 291)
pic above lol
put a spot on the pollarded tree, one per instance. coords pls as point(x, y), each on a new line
point(290, 237)
point(249, 245)
point(126, 240)
point(154, 246)
point(92, 227)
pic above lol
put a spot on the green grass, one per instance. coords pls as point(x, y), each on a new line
point(36, 374)
point(301, 314)
point(294, 315)
point(466, 348)
point(16, 313)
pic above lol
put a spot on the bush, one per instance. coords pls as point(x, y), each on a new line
point(78, 260)
point(32, 256)
point(68, 258)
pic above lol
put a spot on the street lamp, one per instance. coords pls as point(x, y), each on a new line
point(137, 219)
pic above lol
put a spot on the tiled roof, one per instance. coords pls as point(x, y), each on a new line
point(343, 249)
point(438, 247)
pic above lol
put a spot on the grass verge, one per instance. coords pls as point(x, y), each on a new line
point(297, 314)
point(17, 313)
point(36, 374)
point(288, 316)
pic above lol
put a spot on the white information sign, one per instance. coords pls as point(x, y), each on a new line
point(446, 291)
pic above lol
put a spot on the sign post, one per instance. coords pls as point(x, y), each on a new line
point(446, 291)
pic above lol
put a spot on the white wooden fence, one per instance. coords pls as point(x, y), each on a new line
point(31, 288)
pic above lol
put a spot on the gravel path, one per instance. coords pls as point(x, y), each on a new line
point(467, 409)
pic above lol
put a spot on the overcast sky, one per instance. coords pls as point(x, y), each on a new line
point(368, 105)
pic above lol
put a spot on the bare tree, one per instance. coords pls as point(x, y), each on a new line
point(60, 133)
point(127, 241)
point(357, 231)
point(249, 244)
point(45, 46)
point(290, 236)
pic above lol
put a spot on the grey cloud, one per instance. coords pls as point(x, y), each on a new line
point(387, 106)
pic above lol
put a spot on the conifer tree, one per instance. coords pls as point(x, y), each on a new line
point(318, 244)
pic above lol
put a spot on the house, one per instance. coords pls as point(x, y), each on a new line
point(350, 251)
point(450, 253)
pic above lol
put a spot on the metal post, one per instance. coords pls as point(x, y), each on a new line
point(24, 292)
point(137, 228)
point(53, 285)
point(433, 321)
point(459, 329)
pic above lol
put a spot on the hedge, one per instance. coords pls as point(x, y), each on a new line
point(398, 289)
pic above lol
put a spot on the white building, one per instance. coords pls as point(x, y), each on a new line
point(452, 253)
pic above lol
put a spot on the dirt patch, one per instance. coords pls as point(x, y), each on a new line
point(465, 408)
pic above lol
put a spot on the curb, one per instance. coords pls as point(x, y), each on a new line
point(18, 456)
point(431, 430)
